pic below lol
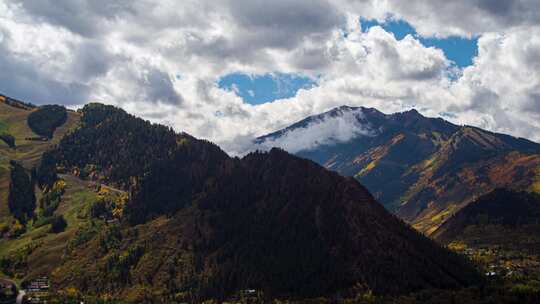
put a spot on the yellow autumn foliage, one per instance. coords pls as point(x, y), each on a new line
point(120, 204)
point(535, 187)
point(103, 191)
point(72, 292)
point(59, 185)
point(457, 246)
point(17, 225)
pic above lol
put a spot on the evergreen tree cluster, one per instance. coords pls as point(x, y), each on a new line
point(116, 144)
point(21, 199)
point(46, 174)
point(46, 119)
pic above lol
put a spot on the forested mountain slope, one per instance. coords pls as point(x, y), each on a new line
point(200, 224)
point(495, 214)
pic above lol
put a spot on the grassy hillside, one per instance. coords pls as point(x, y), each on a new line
point(14, 121)
point(37, 252)
point(3, 127)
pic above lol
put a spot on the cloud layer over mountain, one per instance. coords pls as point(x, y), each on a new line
point(163, 60)
point(341, 127)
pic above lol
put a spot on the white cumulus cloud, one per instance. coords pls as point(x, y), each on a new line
point(162, 60)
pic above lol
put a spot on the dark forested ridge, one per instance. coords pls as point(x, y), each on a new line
point(504, 208)
point(202, 224)
point(116, 145)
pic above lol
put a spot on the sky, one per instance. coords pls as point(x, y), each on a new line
point(232, 70)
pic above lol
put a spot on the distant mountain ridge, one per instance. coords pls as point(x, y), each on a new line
point(423, 169)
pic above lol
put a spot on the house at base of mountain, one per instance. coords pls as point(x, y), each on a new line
point(37, 298)
point(38, 290)
point(38, 284)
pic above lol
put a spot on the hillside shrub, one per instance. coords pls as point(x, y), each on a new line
point(58, 224)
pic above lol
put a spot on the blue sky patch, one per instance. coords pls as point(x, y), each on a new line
point(258, 89)
point(458, 49)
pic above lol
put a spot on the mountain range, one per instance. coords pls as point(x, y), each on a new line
point(422, 169)
point(132, 210)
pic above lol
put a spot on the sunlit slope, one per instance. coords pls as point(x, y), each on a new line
point(38, 252)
